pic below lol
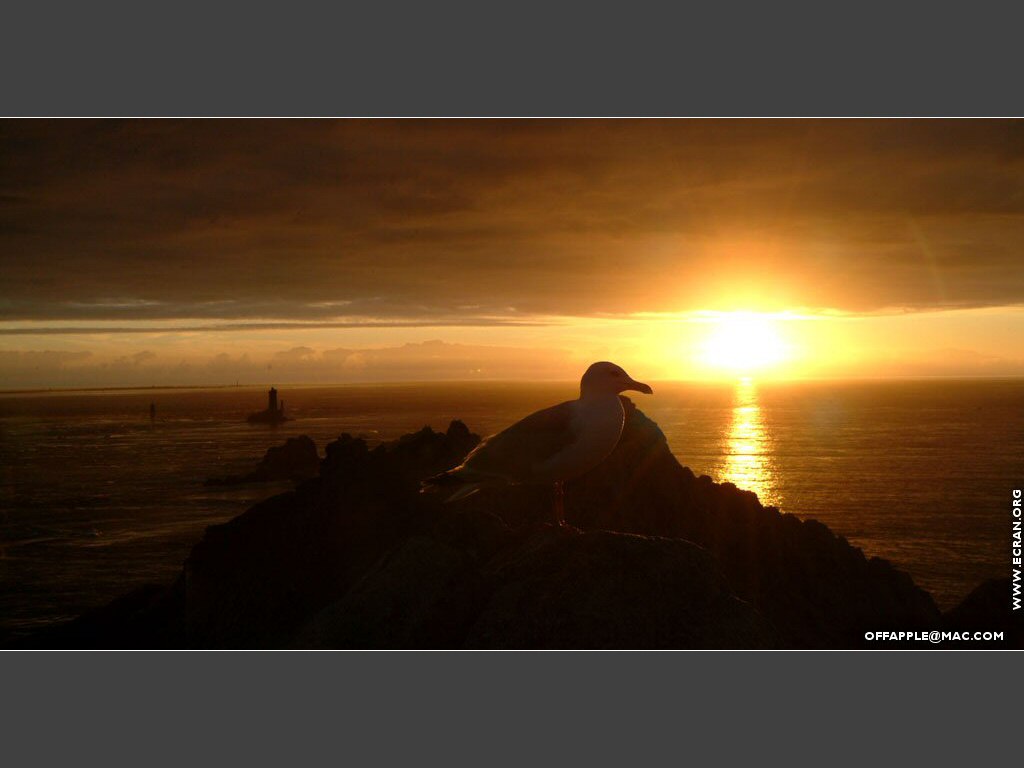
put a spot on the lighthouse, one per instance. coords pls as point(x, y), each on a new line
point(274, 413)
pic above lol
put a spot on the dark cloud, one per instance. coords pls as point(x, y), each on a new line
point(433, 322)
point(414, 221)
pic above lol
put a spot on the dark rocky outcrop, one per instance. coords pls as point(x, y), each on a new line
point(542, 587)
point(659, 558)
point(146, 618)
point(296, 460)
point(988, 608)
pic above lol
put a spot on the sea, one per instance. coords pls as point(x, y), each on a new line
point(97, 498)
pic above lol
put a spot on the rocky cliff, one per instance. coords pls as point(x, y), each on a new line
point(296, 459)
point(657, 558)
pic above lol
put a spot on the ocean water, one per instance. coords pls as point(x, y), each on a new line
point(96, 499)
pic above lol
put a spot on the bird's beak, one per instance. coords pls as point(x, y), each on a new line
point(639, 386)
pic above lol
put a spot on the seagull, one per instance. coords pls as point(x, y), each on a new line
point(550, 446)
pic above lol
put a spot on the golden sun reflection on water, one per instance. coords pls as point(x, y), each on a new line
point(748, 464)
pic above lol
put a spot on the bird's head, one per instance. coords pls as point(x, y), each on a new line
point(609, 379)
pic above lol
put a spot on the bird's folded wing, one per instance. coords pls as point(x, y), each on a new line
point(514, 453)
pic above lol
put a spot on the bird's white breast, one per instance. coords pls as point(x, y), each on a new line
point(597, 426)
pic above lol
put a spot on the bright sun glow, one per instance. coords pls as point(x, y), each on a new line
point(743, 342)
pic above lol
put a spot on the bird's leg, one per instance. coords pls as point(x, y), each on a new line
point(559, 504)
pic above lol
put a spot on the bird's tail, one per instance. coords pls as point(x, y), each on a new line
point(450, 481)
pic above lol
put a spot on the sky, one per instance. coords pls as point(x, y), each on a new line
point(137, 253)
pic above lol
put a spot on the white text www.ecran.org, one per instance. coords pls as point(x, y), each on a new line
point(1015, 548)
point(933, 636)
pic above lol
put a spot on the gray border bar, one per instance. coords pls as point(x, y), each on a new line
point(507, 708)
point(526, 59)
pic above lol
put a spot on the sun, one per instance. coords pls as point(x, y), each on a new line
point(742, 343)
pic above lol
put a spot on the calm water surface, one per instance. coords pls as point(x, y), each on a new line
point(96, 499)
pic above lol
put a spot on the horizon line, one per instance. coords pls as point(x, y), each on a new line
point(574, 382)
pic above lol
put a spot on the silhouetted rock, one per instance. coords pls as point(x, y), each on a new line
point(610, 590)
point(295, 460)
point(252, 581)
point(541, 588)
point(358, 558)
point(988, 608)
point(424, 593)
point(147, 617)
